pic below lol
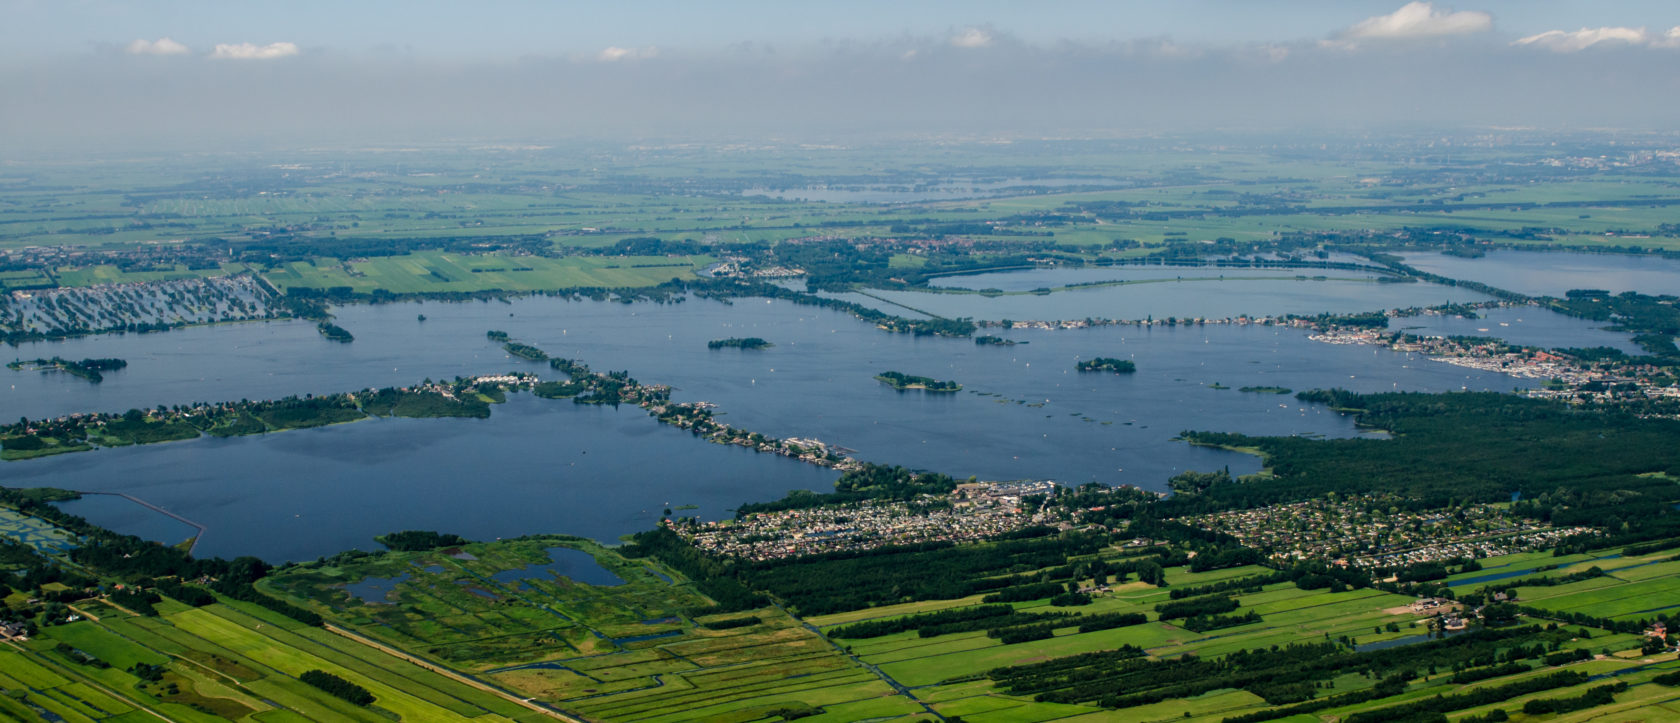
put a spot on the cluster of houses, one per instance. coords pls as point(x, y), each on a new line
point(974, 511)
point(1367, 531)
point(1571, 379)
point(1532, 539)
point(741, 267)
point(696, 416)
point(513, 380)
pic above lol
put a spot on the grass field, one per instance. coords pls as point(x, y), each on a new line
point(611, 652)
point(628, 648)
point(225, 661)
point(107, 274)
point(438, 272)
point(1633, 588)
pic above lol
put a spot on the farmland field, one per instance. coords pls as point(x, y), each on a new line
point(618, 652)
point(433, 272)
point(225, 661)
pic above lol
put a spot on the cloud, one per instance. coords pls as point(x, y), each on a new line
point(1421, 20)
point(252, 51)
point(971, 37)
point(161, 46)
point(614, 54)
point(1559, 41)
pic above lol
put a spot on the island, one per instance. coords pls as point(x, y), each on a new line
point(334, 332)
point(88, 369)
point(1266, 390)
point(735, 342)
point(995, 341)
point(901, 382)
point(1105, 364)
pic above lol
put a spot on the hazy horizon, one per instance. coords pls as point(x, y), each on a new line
point(184, 75)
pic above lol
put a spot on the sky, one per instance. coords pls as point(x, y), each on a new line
point(189, 72)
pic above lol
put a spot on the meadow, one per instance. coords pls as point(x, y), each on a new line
point(435, 272)
point(224, 661)
point(628, 652)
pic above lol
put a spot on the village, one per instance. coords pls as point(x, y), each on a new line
point(1368, 532)
point(1566, 377)
point(974, 511)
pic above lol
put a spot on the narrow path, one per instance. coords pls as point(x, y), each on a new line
point(929, 314)
point(448, 673)
point(901, 688)
point(136, 500)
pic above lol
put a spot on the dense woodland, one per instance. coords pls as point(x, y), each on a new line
point(1565, 464)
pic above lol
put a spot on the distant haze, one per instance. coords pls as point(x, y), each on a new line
point(1386, 66)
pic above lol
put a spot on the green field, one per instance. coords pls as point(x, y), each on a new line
point(107, 274)
point(437, 272)
point(225, 661)
point(623, 652)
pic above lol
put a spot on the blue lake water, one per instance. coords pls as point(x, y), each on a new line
point(1525, 325)
point(536, 466)
point(375, 589)
point(1235, 295)
point(1551, 273)
point(1029, 279)
point(132, 518)
point(552, 466)
point(565, 562)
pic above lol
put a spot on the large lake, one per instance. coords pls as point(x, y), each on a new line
point(534, 466)
point(1159, 294)
point(1024, 413)
point(1551, 273)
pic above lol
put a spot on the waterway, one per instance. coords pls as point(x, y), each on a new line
point(1030, 279)
point(552, 466)
point(1523, 325)
point(945, 190)
point(1237, 294)
point(1551, 273)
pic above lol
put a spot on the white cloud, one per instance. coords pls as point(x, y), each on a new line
point(1559, 41)
point(615, 53)
point(161, 46)
point(1421, 20)
point(252, 51)
point(971, 38)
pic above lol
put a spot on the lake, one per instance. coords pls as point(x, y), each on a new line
point(536, 466)
point(1029, 279)
point(1551, 273)
point(1524, 325)
point(1237, 294)
point(1024, 413)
